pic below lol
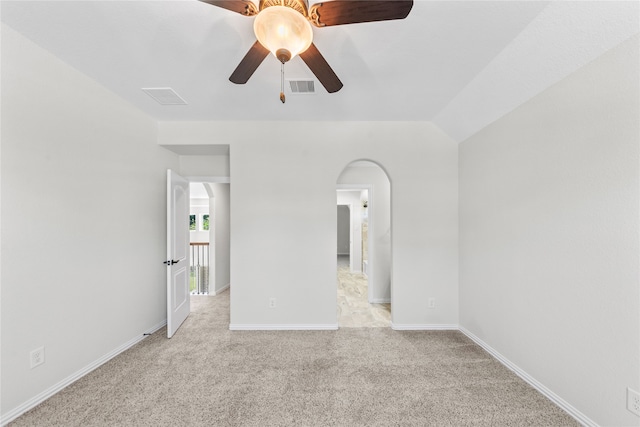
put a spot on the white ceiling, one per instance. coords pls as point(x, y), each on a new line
point(461, 64)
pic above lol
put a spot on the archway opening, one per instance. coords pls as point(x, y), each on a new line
point(363, 189)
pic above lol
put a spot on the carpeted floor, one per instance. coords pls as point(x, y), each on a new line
point(207, 375)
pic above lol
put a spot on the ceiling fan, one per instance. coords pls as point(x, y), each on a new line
point(283, 28)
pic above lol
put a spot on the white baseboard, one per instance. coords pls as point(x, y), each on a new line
point(380, 301)
point(579, 416)
point(221, 290)
point(41, 397)
point(423, 327)
point(157, 327)
point(284, 327)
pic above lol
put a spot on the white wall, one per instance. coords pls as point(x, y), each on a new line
point(379, 232)
point(285, 189)
point(83, 191)
point(343, 230)
point(221, 229)
point(204, 166)
point(549, 254)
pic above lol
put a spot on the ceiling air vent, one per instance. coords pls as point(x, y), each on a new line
point(302, 86)
point(164, 95)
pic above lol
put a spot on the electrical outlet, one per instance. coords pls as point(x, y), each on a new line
point(431, 303)
point(36, 357)
point(633, 401)
point(272, 303)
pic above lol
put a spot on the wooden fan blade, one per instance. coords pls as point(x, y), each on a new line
point(243, 7)
point(249, 64)
point(340, 12)
point(320, 67)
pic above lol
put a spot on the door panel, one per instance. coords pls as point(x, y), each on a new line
point(180, 293)
point(178, 296)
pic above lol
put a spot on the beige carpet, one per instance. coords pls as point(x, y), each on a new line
point(208, 376)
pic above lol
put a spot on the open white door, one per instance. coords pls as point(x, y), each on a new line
point(178, 304)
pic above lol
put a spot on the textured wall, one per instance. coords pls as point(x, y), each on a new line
point(221, 218)
point(549, 236)
point(285, 189)
point(84, 194)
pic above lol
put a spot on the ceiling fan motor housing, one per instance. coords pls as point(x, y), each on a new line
point(301, 6)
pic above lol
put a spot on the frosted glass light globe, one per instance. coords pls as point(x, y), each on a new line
point(283, 31)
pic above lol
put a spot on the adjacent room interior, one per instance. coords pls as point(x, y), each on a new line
point(495, 145)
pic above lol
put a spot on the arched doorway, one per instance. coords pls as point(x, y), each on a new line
point(364, 271)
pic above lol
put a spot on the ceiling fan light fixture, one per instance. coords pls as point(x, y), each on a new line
point(284, 31)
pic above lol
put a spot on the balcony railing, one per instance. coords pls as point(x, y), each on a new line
point(199, 268)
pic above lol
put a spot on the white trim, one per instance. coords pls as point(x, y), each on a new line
point(41, 397)
point(222, 289)
point(284, 327)
point(156, 328)
point(381, 300)
point(213, 179)
point(423, 327)
point(563, 404)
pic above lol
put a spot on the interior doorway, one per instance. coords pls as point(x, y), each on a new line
point(200, 240)
point(209, 237)
point(363, 266)
point(210, 232)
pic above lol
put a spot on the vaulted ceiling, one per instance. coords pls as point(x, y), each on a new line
point(460, 64)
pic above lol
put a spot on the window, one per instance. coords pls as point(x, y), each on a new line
point(205, 221)
point(192, 222)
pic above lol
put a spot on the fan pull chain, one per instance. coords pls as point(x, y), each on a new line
point(282, 82)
